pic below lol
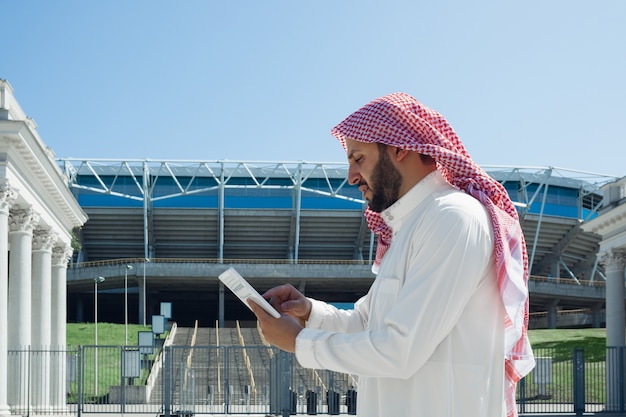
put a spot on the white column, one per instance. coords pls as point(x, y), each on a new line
point(59, 377)
point(7, 196)
point(41, 319)
point(21, 223)
point(614, 266)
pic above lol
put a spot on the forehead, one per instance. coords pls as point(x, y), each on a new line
point(353, 146)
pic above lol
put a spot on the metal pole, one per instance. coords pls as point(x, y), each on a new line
point(126, 306)
point(579, 381)
point(167, 363)
point(522, 396)
point(146, 244)
point(298, 208)
point(128, 268)
point(144, 289)
point(286, 377)
point(80, 379)
point(95, 347)
point(95, 353)
point(220, 214)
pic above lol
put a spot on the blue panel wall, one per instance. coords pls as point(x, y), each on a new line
point(277, 194)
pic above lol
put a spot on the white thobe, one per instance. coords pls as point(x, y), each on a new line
point(428, 338)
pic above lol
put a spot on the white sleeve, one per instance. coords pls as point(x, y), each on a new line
point(447, 260)
point(328, 317)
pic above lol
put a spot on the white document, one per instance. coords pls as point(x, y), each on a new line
point(244, 290)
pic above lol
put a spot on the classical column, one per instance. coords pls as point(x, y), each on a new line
point(21, 223)
point(7, 197)
point(60, 257)
point(41, 334)
point(614, 265)
point(41, 319)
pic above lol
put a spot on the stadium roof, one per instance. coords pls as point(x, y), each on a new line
point(299, 210)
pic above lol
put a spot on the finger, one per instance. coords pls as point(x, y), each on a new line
point(257, 310)
point(276, 292)
point(291, 305)
point(283, 292)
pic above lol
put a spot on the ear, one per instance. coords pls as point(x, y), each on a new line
point(398, 153)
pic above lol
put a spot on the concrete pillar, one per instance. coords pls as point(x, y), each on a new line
point(58, 363)
point(553, 314)
point(41, 311)
point(7, 196)
point(614, 266)
point(555, 271)
point(80, 308)
point(220, 313)
point(21, 222)
point(596, 313)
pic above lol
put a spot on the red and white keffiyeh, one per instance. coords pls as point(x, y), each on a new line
point(400, 120)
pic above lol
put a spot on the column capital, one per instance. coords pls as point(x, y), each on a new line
point(22, 220)
point(8, 195)
point(61, 255)
point(614, 260)
point(43, 239)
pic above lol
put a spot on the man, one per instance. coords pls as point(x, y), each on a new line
point(442, 331)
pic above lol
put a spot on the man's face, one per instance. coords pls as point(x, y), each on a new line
point(373, 171)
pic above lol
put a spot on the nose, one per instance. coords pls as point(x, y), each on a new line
point(354, 177)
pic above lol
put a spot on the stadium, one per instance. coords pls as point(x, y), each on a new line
point(184, 222)
point(143, 241)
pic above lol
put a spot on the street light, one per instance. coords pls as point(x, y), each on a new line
point(144, 289)
point(96, 281)
point(128, 268)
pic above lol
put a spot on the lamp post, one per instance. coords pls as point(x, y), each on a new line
point(144, 289)
point(96, 281)
point(128, 268)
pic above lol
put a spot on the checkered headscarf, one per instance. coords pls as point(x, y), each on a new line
point(400, 120)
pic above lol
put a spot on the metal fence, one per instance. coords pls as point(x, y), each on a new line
point(185, 380)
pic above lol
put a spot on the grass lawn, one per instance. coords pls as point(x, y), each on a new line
point(109, 334)
point(557, 346)
point(563, 341)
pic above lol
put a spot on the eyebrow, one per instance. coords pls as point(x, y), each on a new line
point(351, 154)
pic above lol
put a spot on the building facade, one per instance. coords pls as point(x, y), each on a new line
point(37, 215)
point(611, 225)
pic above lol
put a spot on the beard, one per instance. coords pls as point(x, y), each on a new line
point(385, 173)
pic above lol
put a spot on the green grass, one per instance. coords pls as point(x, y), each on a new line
point(558, 345)
point(110, 337)
point(109, 334)
point(564, 341)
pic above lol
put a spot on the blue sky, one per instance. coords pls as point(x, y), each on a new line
point(532, 83)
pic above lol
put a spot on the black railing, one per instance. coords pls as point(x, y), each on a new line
point(183, 380)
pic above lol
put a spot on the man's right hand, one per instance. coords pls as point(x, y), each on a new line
point(286, 299)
